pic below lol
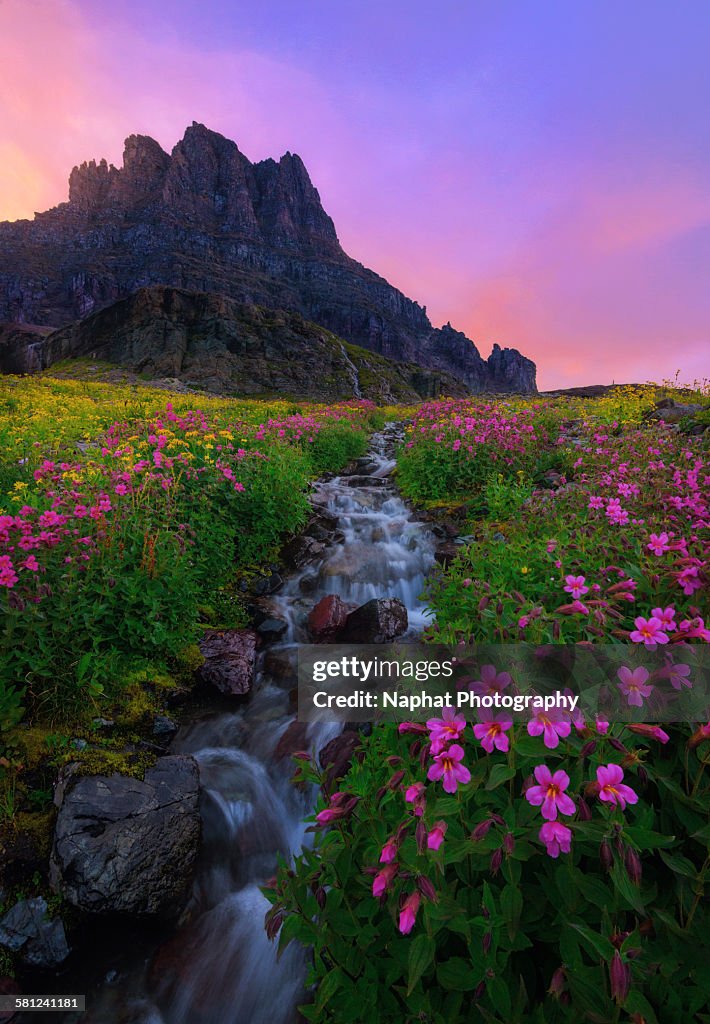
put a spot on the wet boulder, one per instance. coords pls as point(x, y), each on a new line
point(377, 622)
point(229, 660)
point(301, 551)
point(125, 845)
point(292, 739)
point(327, 619)
point(271, 629)
point(336, 757)
point(27, 930)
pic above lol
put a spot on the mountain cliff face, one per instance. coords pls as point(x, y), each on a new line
point(206, 219)
point(213, 343)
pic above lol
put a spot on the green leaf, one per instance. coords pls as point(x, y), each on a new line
point(680, 865)
point(645, 839)
point(457, 974)
point(421, 954)
point(328, 987)
point(500, 773)
point(594, 942)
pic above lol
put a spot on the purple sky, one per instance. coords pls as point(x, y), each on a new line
point(536, 172)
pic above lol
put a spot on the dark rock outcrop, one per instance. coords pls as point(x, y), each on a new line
point(27, 930)
point(206, 219)
point(377, 622)
point(229, 656)
point(328, 619)
point(125, 845)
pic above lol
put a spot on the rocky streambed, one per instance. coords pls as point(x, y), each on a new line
point(165, 870)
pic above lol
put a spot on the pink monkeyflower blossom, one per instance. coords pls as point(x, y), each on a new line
point(596, 502)
point(648, 632)
point(523, 621)
point(408, 913)
point(678, 676)
point(447, 766)
point(492, 681)
point(445, 729)
point(389, 852)
point(467, 582)
point(436, 836)
point(575, 586)
point(491, 730)
point(601, 725)
point(550, 793)
point(383, 880)
point(666, 616)
point(551, 726)
point(652, 732)
point(658, 543)
point(634, 685)
point(611, 789)
point(689, 581)
point(414, 791)
point(31, 563)
point(329, 815)
point(556, 837)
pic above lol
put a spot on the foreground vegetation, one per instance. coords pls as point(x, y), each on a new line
point(555, 870)
point(127, 516)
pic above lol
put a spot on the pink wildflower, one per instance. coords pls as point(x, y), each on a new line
point(551, 726)
point(436, 836)
point(408, 913)
point(652, 732)
point(634, 685)
point(648, 632)
point(447, 766)
point(556, 837)
point(491, 731)
point(550, 793)
point(575, 586)
point(389, 852)
point(492, 681)
point(658, 543)
point(443, 730)
point(612, 789)
point(383, 880)
point(666, 616)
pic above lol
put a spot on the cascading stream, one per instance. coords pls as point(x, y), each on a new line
point(221, 968)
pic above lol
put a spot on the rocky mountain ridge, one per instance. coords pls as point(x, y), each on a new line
point(206, 219)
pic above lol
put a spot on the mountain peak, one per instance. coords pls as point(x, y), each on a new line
point(205, 218)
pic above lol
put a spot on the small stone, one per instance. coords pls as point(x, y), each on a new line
point(271, 630)
point(327, 619)
point(26, 930)
point(164, 727)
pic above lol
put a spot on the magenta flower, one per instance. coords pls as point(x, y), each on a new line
point(679, 676)
point(652, 732)
point(550, 793)
point(556, 837)
point(445, 729)
point(550, 725)
point(436, 836)
point(612, 789)
point(492, 681)
point(648, 632)
point(658, 543)
point(383, 880)
point(575, 586)
point(666, 616)
point(492, 729)
point(408, 913)
point(389, 852)
point(601, 725)
point(634, 685)
point(447, 766)
point(413, 792)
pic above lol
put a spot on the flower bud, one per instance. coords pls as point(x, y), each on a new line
point(633, 866)
point(479, 991)
point(508, 843)
point(487, 939)
point(393, 760)
point(426, 888)
point(584, 812)
point(557, 983)
point(420, 835)
point(482, 829)
point(588, 748)
point(619, 978)
point(424, 755)
point(320, 897)
point(396, 779)
point(414, 748)
point(617, 745)
point(483, 603)
point(496, 860)
point(273, 921)
point(606, 857)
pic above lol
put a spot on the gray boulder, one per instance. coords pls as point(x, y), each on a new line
point(129, 846)
point(26, 930)
point(229, 660)
point(376, 622)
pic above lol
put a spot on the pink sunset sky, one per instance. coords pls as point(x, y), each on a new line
point(535, 173)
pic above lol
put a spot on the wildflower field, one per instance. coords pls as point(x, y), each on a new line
point(550, 870)
point(124, 516)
